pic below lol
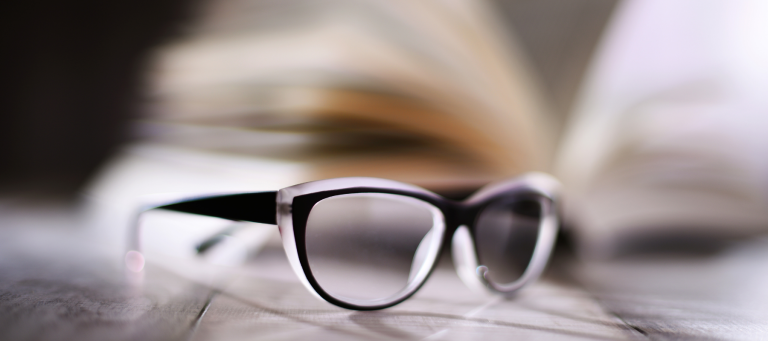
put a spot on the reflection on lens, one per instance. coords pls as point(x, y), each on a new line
point(506, 232)
point(368, 246)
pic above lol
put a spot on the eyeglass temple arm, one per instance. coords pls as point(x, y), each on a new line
point(259, 207)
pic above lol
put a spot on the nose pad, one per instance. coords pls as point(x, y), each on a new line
point(421, 254)
point(465, 260)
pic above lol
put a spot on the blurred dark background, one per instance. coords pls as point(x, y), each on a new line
point(72, 76)
point(71, 80)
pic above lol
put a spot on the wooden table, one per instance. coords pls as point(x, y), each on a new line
point(62, 281)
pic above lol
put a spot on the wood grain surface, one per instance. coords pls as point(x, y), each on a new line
point(62, 281)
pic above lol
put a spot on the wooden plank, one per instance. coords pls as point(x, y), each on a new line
point(65, 309)
point(56, 283)
point(720, 296)
point(262, 308)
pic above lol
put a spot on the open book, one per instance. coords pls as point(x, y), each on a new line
point(423, 92)
point(263, 94)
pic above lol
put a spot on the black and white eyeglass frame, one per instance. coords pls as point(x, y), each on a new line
point(454, 222)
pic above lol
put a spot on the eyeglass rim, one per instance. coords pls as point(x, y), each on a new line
point(255, 207)
point(310, 193)
point(293, 230)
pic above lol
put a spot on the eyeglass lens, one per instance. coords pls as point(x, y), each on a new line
point(505, 233)
point(369, 246)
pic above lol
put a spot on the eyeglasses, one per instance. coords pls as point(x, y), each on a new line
point(368, 243)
